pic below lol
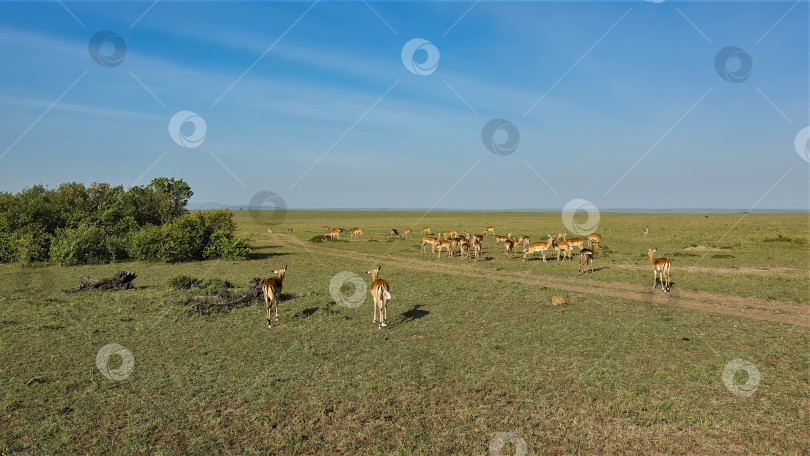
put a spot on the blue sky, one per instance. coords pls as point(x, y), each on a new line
point(616, 103)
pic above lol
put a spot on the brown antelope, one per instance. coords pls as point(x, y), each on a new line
point(451, 233)
point(509, 247)
point(660, 266)
point(561, 246)
point(465, 250)
point(333, 233)
point(408, 232)
point(502, 238)
point(446, 244)
point(289, 230)
point(523, 240)
point(539, 247)
point(394, 232)
point(574, 242)
point(489, 229)
point(381, 294)
point(272, 292)
point(586, 258)
point(270, 230)
point(478, 237)
point(594, 238)
point(426, 230)
point(476, 243)
point(357, 232)
point(433, 241)
point(646, 230)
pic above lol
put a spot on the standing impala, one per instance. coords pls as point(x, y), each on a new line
point(381, 294)
point(357, 232)
point(509, 247)
point(272, 291)
point(476, 244)
point(433, 241)
point(333, 233)
point(586, 258)
point(539, 247)
point(561, 246)
point(502, 238)
point(394, 232)
point(660, 266)
point(408, 232)
point(446, 244)
point(426, 230)
point(594, 238)
point(489, 229)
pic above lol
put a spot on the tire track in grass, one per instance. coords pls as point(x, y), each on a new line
point(780, 312)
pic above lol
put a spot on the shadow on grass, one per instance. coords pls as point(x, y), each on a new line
point(306, 312)
point(413, 314)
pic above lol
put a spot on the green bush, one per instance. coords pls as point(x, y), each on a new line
point(224, 246)
point(82, 245)
point(184, 239)
point(99, 223)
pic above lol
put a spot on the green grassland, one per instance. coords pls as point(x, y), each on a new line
point(464, 358)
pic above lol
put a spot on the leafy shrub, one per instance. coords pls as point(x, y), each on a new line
point(145, 244)
point(82, 245)
point(223, 245)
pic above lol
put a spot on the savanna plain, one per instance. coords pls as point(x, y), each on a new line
point(472, 349)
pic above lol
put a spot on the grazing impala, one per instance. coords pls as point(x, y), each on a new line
point(594, 238)
point(660, 266)
point(478, 237)
point(272, 291)
point(357, 232)
point(426, 230)
point(381, 294)
point(394, 232)
point(476, 243)
point(451, 234)
point(586, 258)
point(433, 241)
point(502, 238)
point(539, 247)
point(489, 229)
point(408, 232)
point(333, 233)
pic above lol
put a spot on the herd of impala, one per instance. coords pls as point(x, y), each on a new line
point(469, 246)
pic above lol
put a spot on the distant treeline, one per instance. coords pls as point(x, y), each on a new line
point(74, 224)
